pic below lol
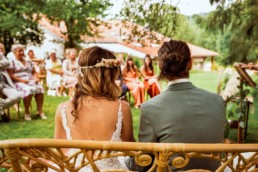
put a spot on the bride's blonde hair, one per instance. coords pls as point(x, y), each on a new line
point(95, 80)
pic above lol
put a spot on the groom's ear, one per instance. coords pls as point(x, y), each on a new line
point(189, 64)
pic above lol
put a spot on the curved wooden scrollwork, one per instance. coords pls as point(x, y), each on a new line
point(143, 160)
point(40, 155)
point(180, 162)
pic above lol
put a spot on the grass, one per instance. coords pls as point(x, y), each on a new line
point(37, 128)
point(205, 80)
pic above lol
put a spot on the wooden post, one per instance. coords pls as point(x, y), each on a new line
point(202, 63)
point(162, 162)
point(212, 63)
point(246, 117)
point(240, 129)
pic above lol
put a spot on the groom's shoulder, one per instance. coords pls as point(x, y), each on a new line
point(154, 100)
point(210, 94)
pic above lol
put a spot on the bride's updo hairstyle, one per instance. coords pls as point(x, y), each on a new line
point(97, 71)
point(174, 57)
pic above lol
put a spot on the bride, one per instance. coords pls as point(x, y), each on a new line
point(95, 112)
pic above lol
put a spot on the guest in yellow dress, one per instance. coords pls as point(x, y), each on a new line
point(54, 74)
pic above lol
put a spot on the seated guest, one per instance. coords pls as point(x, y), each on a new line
point(31, 56)
point(54, 74)
point(131, 78)
point(123, 86)
point(9, 95)
point(120, 57)
point(10, 56)
point(95, 99)
point(39, 64)
point(150, 80)
point(69, 69)
point(120, 80)
point(25, 80)
point(66, 52)
point(183, 113)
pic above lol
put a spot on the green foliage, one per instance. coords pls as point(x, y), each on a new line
point(236, 22)
point(254, 94)
point(164, 18)
point(233, 111)
point(222, 85)
point(19, 19)
point(19, 22)
point(80, 17)
point(187, 30)
point(152, 16)
point(137, 62)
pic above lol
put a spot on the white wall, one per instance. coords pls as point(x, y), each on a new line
point(51, 41)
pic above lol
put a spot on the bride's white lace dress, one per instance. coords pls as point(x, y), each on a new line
point(105, 164)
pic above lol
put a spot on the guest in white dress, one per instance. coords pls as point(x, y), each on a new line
point(54, 74)
point(95, 112)
point(8, 93)
point(24, 76)
point(69, 69)
point(36, 61)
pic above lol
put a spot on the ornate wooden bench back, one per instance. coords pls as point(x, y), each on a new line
point(40, 154)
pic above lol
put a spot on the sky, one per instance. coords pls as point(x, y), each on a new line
point(186, 7)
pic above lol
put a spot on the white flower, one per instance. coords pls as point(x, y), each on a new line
point(231, 88)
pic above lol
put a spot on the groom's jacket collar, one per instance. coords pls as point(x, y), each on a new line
point(180, 86)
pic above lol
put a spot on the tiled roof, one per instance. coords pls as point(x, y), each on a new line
point(115, 34)
point(113, 31)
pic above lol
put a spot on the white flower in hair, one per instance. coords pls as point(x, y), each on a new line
point(106, 63)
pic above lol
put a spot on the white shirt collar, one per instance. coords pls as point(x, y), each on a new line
point(178, 81)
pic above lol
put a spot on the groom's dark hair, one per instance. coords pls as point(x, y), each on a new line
point(173, 60)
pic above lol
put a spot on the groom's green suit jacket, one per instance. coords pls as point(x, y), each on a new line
point(184, 114)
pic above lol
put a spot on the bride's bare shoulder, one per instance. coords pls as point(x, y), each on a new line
point(126, 109)
point(61, 106)
point(125, 104)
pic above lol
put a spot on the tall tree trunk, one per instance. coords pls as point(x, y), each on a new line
point(70, 43)
point(6, 39)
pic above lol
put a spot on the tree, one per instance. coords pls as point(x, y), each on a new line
point(18, 22)
point(151, 16)
point(80, 17)
point(163, 18)
point(19, 19)
point(237, 22)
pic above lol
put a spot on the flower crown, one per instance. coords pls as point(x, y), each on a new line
point(106, 63)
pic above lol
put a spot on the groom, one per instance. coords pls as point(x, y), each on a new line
point(183, 113)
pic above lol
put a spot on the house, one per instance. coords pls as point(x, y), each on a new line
point(53, 39)
point(113, 35)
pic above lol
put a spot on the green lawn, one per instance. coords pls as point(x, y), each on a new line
point(37, 128)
